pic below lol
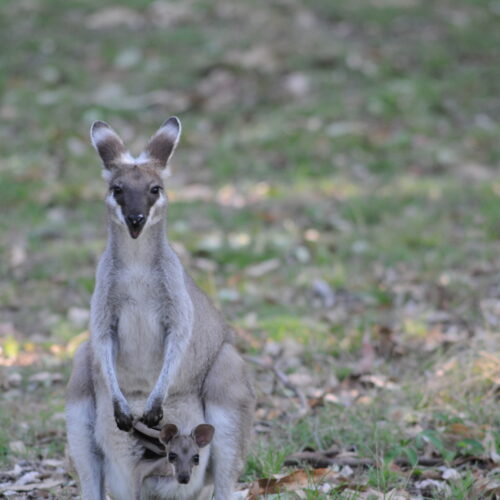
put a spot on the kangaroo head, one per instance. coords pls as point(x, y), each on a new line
point(136, 197)
point(182, 450)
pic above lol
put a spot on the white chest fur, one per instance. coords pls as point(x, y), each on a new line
point(140, 336)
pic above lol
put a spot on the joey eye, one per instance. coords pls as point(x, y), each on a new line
point(172, 457)
point(196, 459)
point(155, 189)
point(116, 190)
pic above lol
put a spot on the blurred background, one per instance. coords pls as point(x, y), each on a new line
point(335, 192)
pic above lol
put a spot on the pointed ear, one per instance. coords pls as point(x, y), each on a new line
point(168, 431)
point(163, 143)
point(203, 434)
point(107, 143)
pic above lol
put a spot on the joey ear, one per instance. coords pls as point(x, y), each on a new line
point(168, 431)
point(163, 143)
point(107, 143)
point(203, 434)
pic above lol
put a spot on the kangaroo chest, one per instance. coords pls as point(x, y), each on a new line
point(142, 318)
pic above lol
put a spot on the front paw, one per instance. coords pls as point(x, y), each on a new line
point(123, 417)
point(153, 416)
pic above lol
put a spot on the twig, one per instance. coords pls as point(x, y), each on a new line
point(319, 459)
point(423, 461)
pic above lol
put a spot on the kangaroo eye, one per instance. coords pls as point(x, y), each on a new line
point(172, 457)
point(155, 189)
point(196, 459)
point(116, 190)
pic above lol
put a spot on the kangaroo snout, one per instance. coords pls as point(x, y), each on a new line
point(183, 478)
point(135, 223)
point(135, 220)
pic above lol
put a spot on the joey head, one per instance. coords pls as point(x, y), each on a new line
point(182, 451)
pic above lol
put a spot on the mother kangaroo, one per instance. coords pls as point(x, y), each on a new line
point(154, 334)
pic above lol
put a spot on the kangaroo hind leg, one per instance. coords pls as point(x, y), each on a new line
point(80, 418)
point(229, 407)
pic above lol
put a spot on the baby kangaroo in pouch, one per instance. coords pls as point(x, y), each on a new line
point(181, 460)
point(155, 337)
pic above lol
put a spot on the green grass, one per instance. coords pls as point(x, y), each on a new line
point(376, 173)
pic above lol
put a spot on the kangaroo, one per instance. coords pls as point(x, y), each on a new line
point(181, 471)
point(154, 334)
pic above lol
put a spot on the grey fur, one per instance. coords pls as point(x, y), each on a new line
point(154, 335)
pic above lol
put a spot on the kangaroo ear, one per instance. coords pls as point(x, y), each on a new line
point(168, 431)
point(107, 143)
point(163, 143)
point(203, 434)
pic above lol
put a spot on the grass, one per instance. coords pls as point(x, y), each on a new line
point(354, 142)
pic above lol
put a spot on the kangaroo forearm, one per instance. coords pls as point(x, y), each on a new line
point(104, 351)
point(105, 354)
point(174, 354)
point(178, 328)
point(175, 346)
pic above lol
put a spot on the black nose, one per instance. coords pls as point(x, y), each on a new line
point(135, 220)
point(184, 478)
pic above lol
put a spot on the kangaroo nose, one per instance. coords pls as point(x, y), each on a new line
point(135, 220)
point(184, 478)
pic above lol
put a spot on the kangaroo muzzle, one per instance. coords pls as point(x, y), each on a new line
point(183, 478)
point(135, 223)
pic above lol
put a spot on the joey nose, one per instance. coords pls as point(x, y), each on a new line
point(184, 478)
point(135, 220)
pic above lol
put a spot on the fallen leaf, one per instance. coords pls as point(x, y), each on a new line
point(322, 290)
point(489, 444)
point(431, 487)
point(450, 474)
point(112, 17)
point(365, 364)
point(28, 478)
point(17, 447)
point(44, 485)
point(46, 378)
point(14, 379)
point(486, 487)
point(461, 430)
point(297, 85)
point(291, 482)
point(262, 268)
